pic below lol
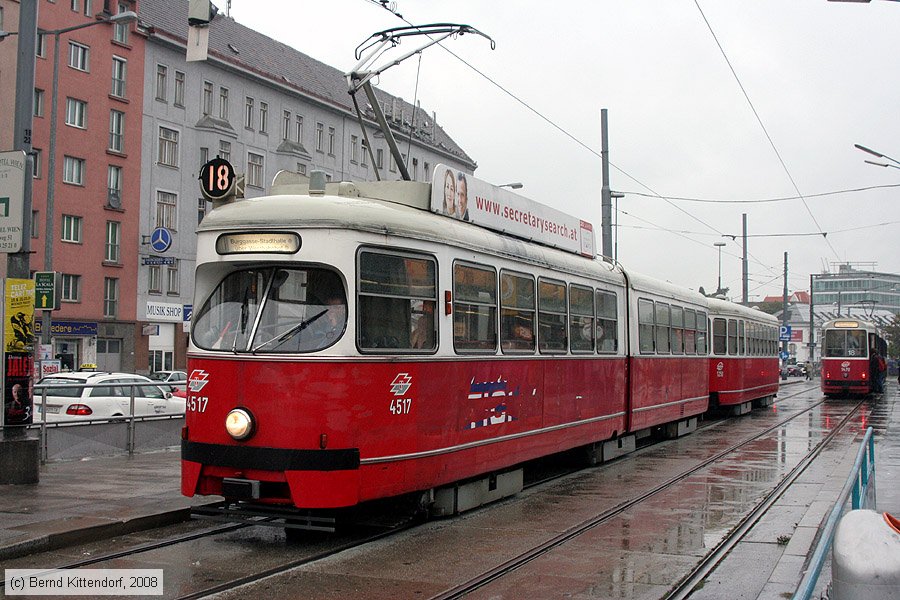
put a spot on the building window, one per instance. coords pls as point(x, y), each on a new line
point(168, 147)
point(112, 241)
point(285, 124)
point(301, 168)
point(172, 278)
point(165, 209)
point(354, 149)
point(364, 149)
point(392, 163)
point(114, 185)
point(116, 131)
point(38, 102)
point(79, 56)
point(202, 207)
point(154, 284)
point(263, 117)
point(207, 98)
point(204, 156)
point(331, 141)
point(118, 77)
point(74, 4)
point(298, 128)
point(320, 137)
point(71, 229)
point(71, 288)
point(179, 89)
point(76, 113)
point(36, 163)
point(223, 103)
point(73, 170)
point(379, 158)
point(248, 113)
point(120, 30)
point(41, 45)
point(87, 8)
point(415, 169)
point(254, 170)
point(426, 172)
point(162, 74)
point(225, 150)
point(110, 297)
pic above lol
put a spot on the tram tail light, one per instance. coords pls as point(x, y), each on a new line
point(184, 433)
point(80, 410)
point(323, 441)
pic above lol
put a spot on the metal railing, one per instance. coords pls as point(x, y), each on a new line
point(861, 475)
point(131, 421)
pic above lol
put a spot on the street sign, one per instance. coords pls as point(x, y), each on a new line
point(217, 179)
point(12, 200)
point(783, 355)
point(784, 333)
point(47, 290)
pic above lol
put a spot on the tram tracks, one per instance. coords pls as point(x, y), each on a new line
point(274, 564)
point(688, 582)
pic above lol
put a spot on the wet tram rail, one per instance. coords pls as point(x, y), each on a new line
point(492, 551)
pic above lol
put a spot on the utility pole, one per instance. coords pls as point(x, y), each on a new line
point(745, 290)
point(784, 306)
point(605, 196)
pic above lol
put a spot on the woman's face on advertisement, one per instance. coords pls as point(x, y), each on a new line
point(449, 193)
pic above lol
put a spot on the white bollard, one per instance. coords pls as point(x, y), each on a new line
point(866, 557)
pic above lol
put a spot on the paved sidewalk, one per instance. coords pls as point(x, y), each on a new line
point(90, 499)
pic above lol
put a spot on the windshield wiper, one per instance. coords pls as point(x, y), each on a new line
point(281, 338)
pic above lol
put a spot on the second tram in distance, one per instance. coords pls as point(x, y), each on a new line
point(849, 348)
point(356, 341)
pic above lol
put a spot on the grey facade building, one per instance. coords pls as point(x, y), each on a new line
point(263, 106)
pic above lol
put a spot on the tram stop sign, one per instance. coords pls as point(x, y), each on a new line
point(47, 290)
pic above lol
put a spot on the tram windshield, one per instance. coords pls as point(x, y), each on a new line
point(843, 343)
point(273, 310)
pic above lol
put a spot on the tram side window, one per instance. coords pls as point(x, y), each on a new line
point(581, 319)
point(732, 337)
point(607, 322)
point(474, 308)
point(702, 326)
point(677, 330)
point(720, 336)
point(516, 313)
point(690, 331)
point(741, 344)
point(662, 328)
point(397, 299)
point(552, 338)
point(645, 326)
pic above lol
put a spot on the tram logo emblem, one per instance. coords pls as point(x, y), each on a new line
point(401, 384)
point(198, 380)
point(720, 369)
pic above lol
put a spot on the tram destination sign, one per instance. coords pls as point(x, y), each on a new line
point(465, 198)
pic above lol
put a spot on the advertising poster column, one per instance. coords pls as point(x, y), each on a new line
point(18, 352)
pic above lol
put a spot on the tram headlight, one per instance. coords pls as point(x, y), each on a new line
point(239, 423)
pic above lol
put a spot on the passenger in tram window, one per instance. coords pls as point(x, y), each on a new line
point(449, 194)
point(422, 336)
point(462, 205)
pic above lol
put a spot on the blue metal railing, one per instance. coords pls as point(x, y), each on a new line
point(857, 486)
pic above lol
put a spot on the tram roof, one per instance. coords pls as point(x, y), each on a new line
point(718, 306)
point(394, 208)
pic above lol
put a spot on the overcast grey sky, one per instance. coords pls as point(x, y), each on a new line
point(821, 76)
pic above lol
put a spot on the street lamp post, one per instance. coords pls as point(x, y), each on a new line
point(896, 164)
point(122, 17)
point(615, 196)
point(719, 245)
point(513, 186)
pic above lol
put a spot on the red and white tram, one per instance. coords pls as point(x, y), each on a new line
point(355, 342)
point(847, 347)
point(743, 363)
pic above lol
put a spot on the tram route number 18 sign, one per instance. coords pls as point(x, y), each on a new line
point(217, 179)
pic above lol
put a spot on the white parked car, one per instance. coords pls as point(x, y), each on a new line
point(70, 400)
point(166, 379)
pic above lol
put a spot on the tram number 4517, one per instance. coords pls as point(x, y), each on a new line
point(401, 406)
point(196, 403)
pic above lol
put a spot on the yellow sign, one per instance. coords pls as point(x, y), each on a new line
point(18, 327)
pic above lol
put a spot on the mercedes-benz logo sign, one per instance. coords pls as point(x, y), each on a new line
point(160, 239)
